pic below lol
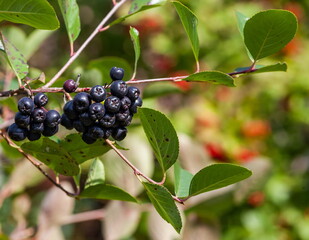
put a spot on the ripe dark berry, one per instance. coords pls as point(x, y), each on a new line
point(96, 132)
point(119, 133)
point(25, 105)
point(126, 122)
point(81, 102)
point(16, 133)
point(122, 115)
point(70, 86)
point(107, 133)
point(36, 127)
point(88, 139)
point(108, 120)
point(125, 103)
point(133, 93)
point(79, 126)
point(40, 99)
point(69, 110)
point(112, 104)
point(52, 118)
point(98, 93)
point(38, 115)
point(116, 73)
point(66, 122)
point(96, 111)
point(119, 88)
point(50, 131)
point(85, 119)
point(33, 136)
point(22, 120)
point(137, 103)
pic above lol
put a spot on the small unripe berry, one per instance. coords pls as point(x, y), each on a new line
point(70, 86)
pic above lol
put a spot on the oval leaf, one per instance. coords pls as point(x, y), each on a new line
point(161, 135)
point(15, 58)
point(182, 181)
point(214, 77)
point(137, 49)
point(96, 174)
point(53, 155)
point(164, 204)
point(189, 22)
point(269, 31)
point(108, 192)
point(217, 176)
point(36, 13)
point(272, 68)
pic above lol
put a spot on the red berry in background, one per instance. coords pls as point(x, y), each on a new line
point(70, 86)
point(148, 26)
point(293, 48)
point(183, 85)
point(245, 155)
point(256, 199)
point(256, 128)
point(215, 151)
point(295, 8)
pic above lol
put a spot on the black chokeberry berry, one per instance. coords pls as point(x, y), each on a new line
point(137, 103)
point(38, 115)
point(96, 111)
point(108, 120)
point(116, 73)
point(126, 122)
point(85, 119)
point(69, 110)
point(122, 115)
point(79, 126)
point(22, 120)
point(112, 104)
point(40, 99)
point(25, 105)
point(119, 88)
point(125, 103)
point(98, 93)
point(33, 136)
point(107, 133)
point(87, 138)
point(133, 93)
point(96, 132)
point(50, 131)
point(36, 127)
point(81, 102)
point(16, 133)
point(70, 86)
point(52, 118)
point(66, 122)
point(119, 133)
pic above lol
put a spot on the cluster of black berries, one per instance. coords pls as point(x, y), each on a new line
point(33, 120)
point(100, 114)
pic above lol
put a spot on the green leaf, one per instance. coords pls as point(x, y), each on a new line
point(96, 174)
point(137, 49)
point(164, 204)
point(241, 21)
point(272, 68)
point(70, 13)
point(182, 181)
point(108, 192)
point(35, 13)
point(269, 31)
point(189, 22)
point(34, 41)
point(217, 176)
point(214, 77)
point(161, 135)
point(81, 151)
point(15, 58)
point(53, 155)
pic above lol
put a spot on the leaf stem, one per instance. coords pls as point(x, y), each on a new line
point(85, 44)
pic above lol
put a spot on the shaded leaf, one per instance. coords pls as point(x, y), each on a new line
point(35, 13)
point(161, 135)
point(164, 204)
point(106, 191)
point(53, 155)
point(217, 176)
point(272, 68)
point(269, 31)
point(96, 174)
point(241, 21)
point(182, 181)
point(15, 58)
point(137, 49)
point(189, 22)
point(214, 77)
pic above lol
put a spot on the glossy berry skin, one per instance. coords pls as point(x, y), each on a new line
point(119, 133)
point(96, 111)
point(112, 104)
point(52, 118)
point(96, 132)
point(125, 103)
point(70, 86)
point(116, 73)
point(108, 120)
point(66, 122)
point(16, 133)
point(50, 131)
point(40, 99)
point(85, 119)
point(88, 139)
point(119, 88)
point(137, 103)
point(36, 127)
point(69, 110)
point(81, 102)
point(98, 93)
point(33, 136)
point(107, 133)
point(38, 115)
point(79, 126)
point(25, 105)
point(122, 115)
point(126, 122)
point(22, 120)
point(133, 93)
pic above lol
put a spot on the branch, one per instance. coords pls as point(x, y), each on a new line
point(85, 216)
point(85, 44)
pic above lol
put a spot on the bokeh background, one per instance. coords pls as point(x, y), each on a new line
point(262, 124)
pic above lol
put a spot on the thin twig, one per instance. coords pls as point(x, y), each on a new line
point(85, 216)
point(85, 44)
point(136, 171)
